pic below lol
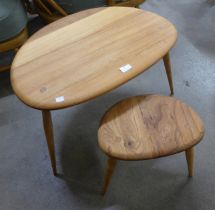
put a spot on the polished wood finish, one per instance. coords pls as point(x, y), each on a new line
point(46, 114)
point(146, 127)
point(111, 164)
point(30, 69)
point(63, 22)
point(48, 128)
point(190, 157)
point(166, 60)
point(74, 60)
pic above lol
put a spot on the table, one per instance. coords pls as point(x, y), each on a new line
point(148, 127)
point(87, 54)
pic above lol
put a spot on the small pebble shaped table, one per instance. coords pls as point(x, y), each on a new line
point(148, 127)
point(87, 54)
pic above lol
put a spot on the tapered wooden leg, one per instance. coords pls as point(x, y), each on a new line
point(111, 164)
point(47, 123)
point(190, 156)
point(166, 60)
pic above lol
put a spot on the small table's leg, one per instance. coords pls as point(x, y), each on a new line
point(111, 164)
point(190, 156)
point(166, 60)
point(47, 124)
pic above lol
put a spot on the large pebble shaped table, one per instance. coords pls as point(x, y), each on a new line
point(87, 54)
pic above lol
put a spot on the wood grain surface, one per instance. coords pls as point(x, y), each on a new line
point(65, 21)
point(81, 60)
point(48, 129)
point(146, 127)
point(111, 164)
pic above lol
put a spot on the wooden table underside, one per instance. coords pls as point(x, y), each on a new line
point(84, 51)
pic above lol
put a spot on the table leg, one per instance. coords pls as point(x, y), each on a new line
point(48, 128)
point(166, 60)
point(190, 156)
point(111, 164)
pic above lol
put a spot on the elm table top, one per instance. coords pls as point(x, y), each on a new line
point(150, 126)
point(67, 62)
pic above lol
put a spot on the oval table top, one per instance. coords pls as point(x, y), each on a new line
point(67, 62)
point(147, 127)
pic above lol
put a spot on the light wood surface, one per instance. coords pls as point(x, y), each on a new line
point(81, 60)
point(111, 164)
point(48, 128)
point(63, 22)
point(190, 158)
point(166, 60)
point(152, 126)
